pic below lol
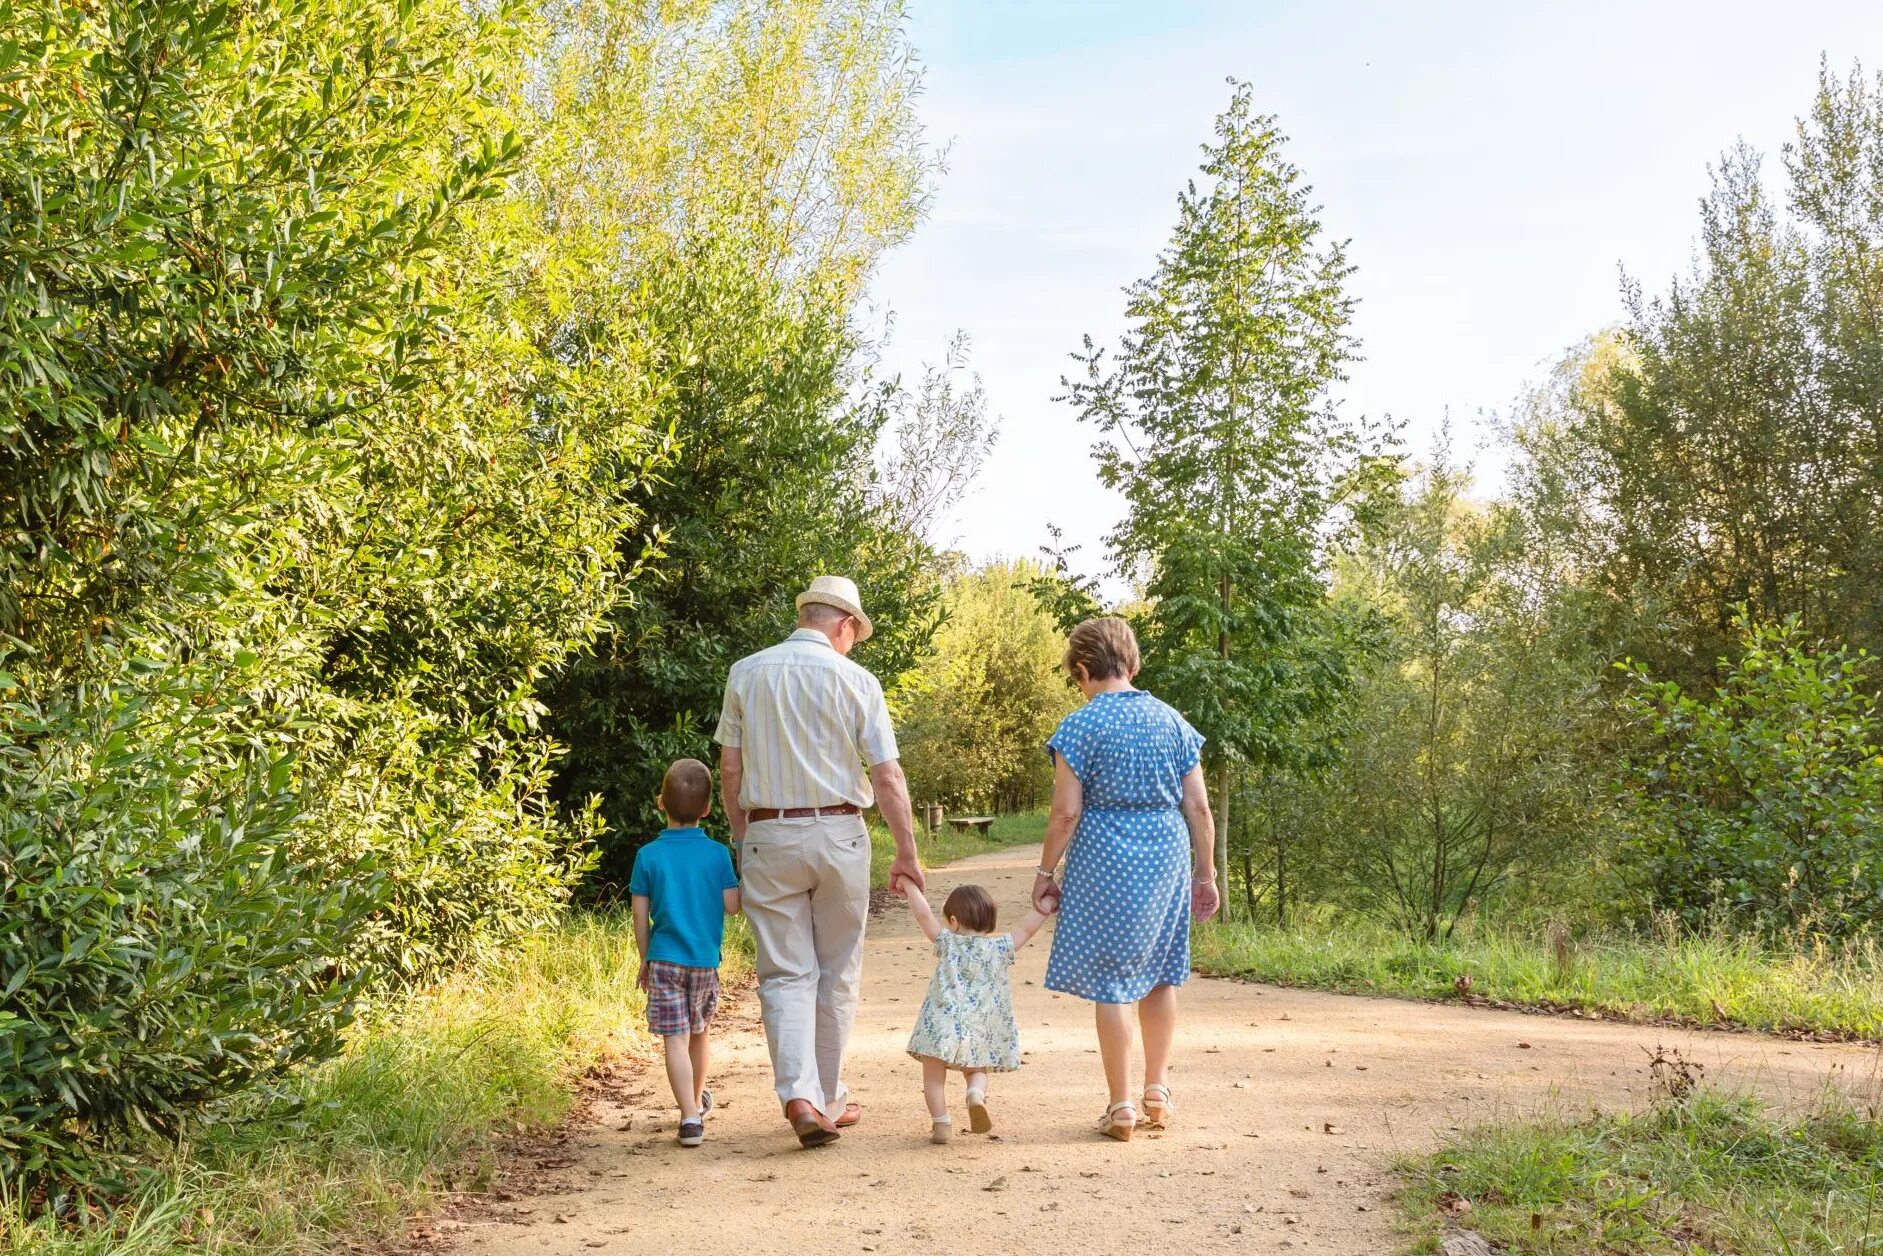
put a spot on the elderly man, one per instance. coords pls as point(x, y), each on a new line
point(799, 725)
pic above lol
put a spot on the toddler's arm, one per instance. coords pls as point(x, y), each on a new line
point(924, 914)
point(1029, 925)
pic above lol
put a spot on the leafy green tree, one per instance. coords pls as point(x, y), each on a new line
point(1471, 731)
point(1229, 453)
point(1723, 449)
point(974, 714)
point(745, 279)
point(1764, 799)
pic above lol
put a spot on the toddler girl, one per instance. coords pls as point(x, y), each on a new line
point(966, 1023)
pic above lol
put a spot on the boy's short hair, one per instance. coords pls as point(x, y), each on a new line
point(686, 792)
point(971, 907)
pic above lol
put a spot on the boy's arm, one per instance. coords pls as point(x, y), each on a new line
point(734, 904)
point(1029, 925)
point(924, 914)
point(640, 938)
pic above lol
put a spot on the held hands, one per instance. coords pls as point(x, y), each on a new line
point(1045, 894)
point(1204, 897)
point(906, 876)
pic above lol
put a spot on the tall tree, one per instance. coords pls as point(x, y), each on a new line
point(1223, 438)
point(782, 143)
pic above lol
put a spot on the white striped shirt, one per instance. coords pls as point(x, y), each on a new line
point(805, 720)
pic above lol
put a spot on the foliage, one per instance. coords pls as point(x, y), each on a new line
point(951, 844)
point(415, 1109)
point(164, 947)
point(1231, 458)
point(1714, 976)
point(1722, 451)
point(1472, 730)
point(973, 716)
point(749, 261)
point(310, 417)
point(1712, 1172)
point(1765, 799)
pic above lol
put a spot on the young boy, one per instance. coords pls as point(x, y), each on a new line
point(684, 888)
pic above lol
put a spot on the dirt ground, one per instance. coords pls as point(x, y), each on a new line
point(1292, 1104)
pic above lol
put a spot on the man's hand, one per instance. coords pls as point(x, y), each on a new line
point(1204, 898)
point(906, 875)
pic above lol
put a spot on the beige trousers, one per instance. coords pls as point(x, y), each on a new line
point(806, 885)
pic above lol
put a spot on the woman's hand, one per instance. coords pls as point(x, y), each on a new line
point(1204, 898)
point(1045, 894)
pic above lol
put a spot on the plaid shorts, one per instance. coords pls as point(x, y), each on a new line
point(680, 1000)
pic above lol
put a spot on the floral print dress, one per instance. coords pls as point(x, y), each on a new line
point(966, 1021)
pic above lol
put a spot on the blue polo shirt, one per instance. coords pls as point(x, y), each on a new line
point(683, 874)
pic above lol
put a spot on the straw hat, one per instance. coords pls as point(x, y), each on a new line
point(840, 592)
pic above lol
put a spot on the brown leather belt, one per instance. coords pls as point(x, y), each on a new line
point(802, 813)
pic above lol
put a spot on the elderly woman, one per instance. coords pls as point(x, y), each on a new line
point(1132, 817)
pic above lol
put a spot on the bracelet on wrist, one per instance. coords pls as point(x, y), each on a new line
point(1044, 873)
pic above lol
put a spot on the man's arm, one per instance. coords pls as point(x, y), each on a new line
point(731, 776)
point(892, 801)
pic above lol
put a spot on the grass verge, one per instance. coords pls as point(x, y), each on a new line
point(1705, 1173)
point(949, 845)
point(1709, 980)
point(415, 1107)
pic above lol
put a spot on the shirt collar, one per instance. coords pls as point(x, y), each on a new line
point(810, 634)
point(692, 830)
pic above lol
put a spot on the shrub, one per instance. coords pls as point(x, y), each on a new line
point(1765, 801)
point(160, 946)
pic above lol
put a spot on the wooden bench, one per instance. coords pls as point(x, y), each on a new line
point(981, 824)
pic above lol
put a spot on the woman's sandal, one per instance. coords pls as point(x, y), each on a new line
point(1111, 1127)
point(1159, 1107)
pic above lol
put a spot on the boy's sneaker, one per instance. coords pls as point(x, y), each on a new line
point(692, 1132)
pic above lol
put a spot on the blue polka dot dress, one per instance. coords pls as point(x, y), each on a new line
point(1124, 913)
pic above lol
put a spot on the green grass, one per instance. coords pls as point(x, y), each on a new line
point(948, 845)
point(1713, 979)
point(414, 1107)
point(1703, 1174)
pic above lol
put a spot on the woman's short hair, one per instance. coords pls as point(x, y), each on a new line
point(971, 907)
point(1106, 647)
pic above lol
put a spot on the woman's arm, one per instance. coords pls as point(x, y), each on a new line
point(1204, 898)
point(1068, 805)
point(924, 914)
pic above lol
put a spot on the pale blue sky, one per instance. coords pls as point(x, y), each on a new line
point(1493, 164)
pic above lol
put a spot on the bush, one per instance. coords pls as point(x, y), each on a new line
point(161, 948)
point(1765, 801)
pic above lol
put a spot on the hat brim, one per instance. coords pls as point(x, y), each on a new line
point(865, 629)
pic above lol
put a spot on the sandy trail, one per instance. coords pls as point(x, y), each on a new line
point(1293, 1103)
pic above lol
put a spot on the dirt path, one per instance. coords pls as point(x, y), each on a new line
point(1293, 1103)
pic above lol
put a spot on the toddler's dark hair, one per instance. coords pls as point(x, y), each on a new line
point(971, 907)
point(686, 791)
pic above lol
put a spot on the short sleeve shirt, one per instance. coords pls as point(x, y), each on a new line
point(683, 874)
point(806, 721)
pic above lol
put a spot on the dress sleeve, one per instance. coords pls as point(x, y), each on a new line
point(1189, 747)
point(1070, 742)
point(941, 942)
point(1008, 951)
